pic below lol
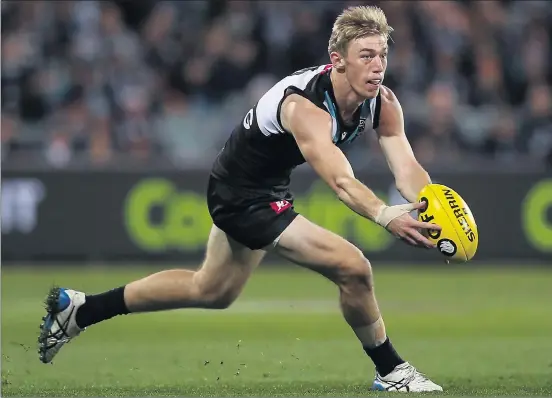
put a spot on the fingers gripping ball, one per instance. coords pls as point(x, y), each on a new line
point(458, 238)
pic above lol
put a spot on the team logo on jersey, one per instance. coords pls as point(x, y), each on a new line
point(359, 131)
point(280, 206)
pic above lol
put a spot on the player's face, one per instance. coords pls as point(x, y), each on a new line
point(365, 64)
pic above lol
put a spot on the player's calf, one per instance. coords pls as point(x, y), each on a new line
point(316, 248)
point(165, 290)
point(354, 277)
point(215, 285)
point(177, 289)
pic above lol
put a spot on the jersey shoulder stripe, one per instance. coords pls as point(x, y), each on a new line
point(268, 106)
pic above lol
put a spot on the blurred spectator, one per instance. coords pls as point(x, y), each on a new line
point(98, 83)
point(536, 129)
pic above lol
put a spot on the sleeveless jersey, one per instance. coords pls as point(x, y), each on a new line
point(260, 154)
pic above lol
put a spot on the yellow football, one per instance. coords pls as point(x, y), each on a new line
point(458, 238)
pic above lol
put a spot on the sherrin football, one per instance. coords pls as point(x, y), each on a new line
point(458, 238)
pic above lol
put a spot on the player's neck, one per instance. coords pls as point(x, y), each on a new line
point(347, 100)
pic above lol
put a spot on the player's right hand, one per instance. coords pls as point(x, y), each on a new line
point(406, 228)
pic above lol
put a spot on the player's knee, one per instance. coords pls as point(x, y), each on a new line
point(355, 271)
point(217, 299)
point(219, 302)
point(217, 295)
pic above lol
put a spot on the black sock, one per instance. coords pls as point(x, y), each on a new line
point(384, 357)
point(99, 307)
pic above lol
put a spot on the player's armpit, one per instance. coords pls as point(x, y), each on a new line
point(311, 128)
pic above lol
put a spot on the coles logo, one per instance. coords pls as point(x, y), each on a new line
point(280, 206)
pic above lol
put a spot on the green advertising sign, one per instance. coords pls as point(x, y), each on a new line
point(185, 223)
point(536, 215)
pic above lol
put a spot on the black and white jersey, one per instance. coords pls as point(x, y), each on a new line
point(260, 154)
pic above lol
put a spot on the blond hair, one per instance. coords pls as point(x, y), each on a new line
point(356, 22)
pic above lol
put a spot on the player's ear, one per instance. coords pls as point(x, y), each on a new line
point(338, 61)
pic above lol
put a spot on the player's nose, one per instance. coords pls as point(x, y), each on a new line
point(376, 65)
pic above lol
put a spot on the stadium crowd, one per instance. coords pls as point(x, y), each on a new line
point(100, 83)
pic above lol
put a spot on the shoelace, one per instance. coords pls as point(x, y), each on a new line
point(59, 335)
point(422, 376)
point(402, 383)
point(417, 374)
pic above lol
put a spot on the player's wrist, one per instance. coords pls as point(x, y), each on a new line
point(386, 214)
point(380, 217)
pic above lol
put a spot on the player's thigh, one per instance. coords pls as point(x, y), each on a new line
point(227, 264)
point(320, 250)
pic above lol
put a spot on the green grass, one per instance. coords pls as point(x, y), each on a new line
point(475, 331)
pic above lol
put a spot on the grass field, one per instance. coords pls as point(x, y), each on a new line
point(477, 332)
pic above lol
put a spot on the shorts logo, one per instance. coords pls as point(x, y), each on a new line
point(280, 206)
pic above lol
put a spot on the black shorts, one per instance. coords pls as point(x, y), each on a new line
point(254, 218)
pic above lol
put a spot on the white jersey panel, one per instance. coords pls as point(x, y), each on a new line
point(267, 107)
point(372, 110)
point(329, 107)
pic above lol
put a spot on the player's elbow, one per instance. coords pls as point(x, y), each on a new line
point(342, 185)
point(404, 189)
point(410, 177)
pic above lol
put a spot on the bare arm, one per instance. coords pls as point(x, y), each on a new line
point(312, 128)
point(410, 176)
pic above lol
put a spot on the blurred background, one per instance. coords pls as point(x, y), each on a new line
point(99, 97)
point(98, 83)
point(112, 114)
